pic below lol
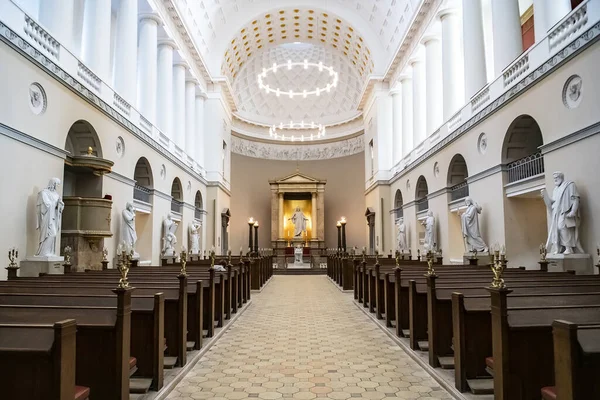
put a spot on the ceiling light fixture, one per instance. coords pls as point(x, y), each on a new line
point(298, 129)
point(305, 64)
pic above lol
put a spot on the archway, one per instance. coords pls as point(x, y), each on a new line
point(525, 215)
point(142, 198)
point(422, 206)
point(198, 206)
point(398, 203)
point(79, 181)
point(457, 178)
point(177, 196)
point(458, 189)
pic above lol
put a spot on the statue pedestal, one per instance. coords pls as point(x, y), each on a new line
point(482, 258)
point(580, 263)
point(168, 260)
point(34, 266)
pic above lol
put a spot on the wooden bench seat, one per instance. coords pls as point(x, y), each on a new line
point(548, 393)
point(82, 393)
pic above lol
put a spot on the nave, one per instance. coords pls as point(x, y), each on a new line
point(302, 338)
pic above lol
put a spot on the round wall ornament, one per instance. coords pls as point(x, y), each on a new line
point(120, 147)
point(37, 98)
point(436, 169)
point(572, 94)
point(163, 171)
point(482, 143)
point(291, 93)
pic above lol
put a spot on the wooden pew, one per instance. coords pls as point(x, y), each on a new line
point(102, 341)
point(147, 324)
point(37, 362)
point(576, 362)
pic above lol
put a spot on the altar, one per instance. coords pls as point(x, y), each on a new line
point(298, 219)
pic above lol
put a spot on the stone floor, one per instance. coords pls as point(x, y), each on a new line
point(303, 339)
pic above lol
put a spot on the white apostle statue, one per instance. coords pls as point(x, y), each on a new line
point(299, 221)
point(563, 236)
point(169, 238)
point(195, 238)
point(128, 235)
point(401, 238)
point(470, 227)
point(49, 213)
point(429, 242)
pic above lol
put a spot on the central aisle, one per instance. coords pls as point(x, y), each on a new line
point(302, 338)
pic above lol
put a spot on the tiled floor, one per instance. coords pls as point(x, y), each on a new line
point(302, 339)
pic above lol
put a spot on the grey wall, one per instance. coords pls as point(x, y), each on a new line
point(251, 196)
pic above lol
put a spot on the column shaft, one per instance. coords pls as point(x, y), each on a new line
point(190, 118)
point(419, 102)
point(125, 61)
point(179, 118)
point(397, 125)
point(95, 43)
point(407, 116)
point(147, 66)
point(555, 10)
point(506, 28)
point(57, 18)
point(282, 233)
point(474, 50)
point(313, 222)
point(199, 126)
point(433, 85)
point(164, 93)
point(452, 64)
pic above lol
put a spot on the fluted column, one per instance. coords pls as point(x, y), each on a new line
point(125, 62)
point(164, 92)
point(190, 117)
point(147, 63)
point(433, 83)
point(419, 101)
point(281, 221)
point(179, 118)
point(474, 50)
point(199, 115)
point(313, 222)
point(397, 124)
point(452, 63)
point(95, 43)
point(407, 114)
point(547, 13)
point(57, 17)
point(506, 29)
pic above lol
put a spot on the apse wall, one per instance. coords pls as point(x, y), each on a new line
point(251, 196)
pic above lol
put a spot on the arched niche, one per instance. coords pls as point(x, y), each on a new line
point(457, 177)
point(198, 205)
point(398, 203)
point(79, 180)
point(177, 195)
point(144, 180)
point(421, 192)
point(520, 150)
point(81, 137)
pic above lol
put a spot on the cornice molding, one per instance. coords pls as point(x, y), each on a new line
point(581, 134)
point(485, 173)
point(121, 178)
point(24, 138)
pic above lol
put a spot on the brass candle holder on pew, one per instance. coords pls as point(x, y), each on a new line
point(364, 255)
point(13, 267)
point(397, 259)
point(418, 254)
point(473, 257)
point(543, 261)
point(212, 258)
point(183, 257)
point(67, 264)
point(376, 256)
point(598, 253)
point(123, 267)
point(498, 270)
point(430, 270)
point(104, 261)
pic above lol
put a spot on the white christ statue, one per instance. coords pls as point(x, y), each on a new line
point(299, 221)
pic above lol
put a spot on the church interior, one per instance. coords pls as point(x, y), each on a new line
point(300, 199)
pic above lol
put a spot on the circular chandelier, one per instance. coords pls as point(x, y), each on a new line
point(300, 127)
point(291, 93)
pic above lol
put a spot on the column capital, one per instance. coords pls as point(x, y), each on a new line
point(191, 79)
point(200, 94)
point(151, 17)
point(405, 77)
point(430, 37)
point(181, 63)
point(167, 42)
point(415, 60)
point(448, 11)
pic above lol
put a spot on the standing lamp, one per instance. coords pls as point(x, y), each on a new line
point(256, 237)
point(250, 225)
point(343, 222)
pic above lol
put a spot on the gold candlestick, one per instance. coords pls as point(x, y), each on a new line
point(13, 255)
point(123, 267)
point(183, 256)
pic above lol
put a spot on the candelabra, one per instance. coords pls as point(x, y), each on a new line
point(418, 254)
point(183, 257)
point(123, 267)
point(364, 254)
point(13, 255)
point(104, 261)
point(376, 256)
point(430, 270)
point(67, 263)
point(498, 270)
point(543, 261)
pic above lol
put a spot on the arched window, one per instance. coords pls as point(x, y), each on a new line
point(421, 193)
point(520, 150)
point(398, 203)
point(177, 195)
point(198, 205)
point(144, 181)
point(457, 178)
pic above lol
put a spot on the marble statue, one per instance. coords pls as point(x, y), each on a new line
point(401, 237)
point(429, 242)
point(563, 235)
point(128, 235)
point(195, 238)
point(299, 221)
point(169, 238)
point(470, 227)
point(49, 213)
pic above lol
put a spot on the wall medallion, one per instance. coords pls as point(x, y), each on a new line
point(120, 147)
point(37, 98)
point(189, 186)
point(408, 184)
point(163, 171)
point(436, 169)
point(482, 143)
point(572, 94)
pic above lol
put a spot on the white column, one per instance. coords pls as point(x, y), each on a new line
point(546, 13)
point(433, 84)
point(200, 129)
point(397, 125)
point(190, 117)
point(419, 101)
point(164, 92)
point(146, 66)
point(474, 50)
point(125, 63)
point(313, 222)
point(407, 114)
point(539, 19)
point(506, 28)
point(179, 118)
point(452, 63)
point(95, 43)
point(57, 17)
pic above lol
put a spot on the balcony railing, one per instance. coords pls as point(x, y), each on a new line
point(176, 206)
point(526, 167)
point(141, 193)
point(459, 191)
point(399, 212)
point(197, 213)
point(422, 205)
